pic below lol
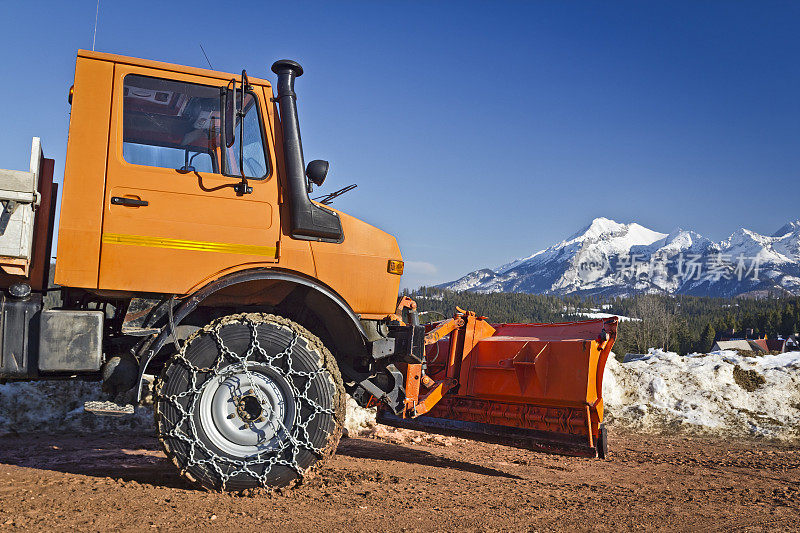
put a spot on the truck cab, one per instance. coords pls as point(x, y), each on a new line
point(150, 201)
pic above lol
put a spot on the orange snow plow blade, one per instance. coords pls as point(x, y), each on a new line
point(535, 386)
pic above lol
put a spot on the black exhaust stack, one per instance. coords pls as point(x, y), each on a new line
point(308, 221)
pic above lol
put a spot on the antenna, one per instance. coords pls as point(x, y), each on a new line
point(96, 13)
point(204, 53)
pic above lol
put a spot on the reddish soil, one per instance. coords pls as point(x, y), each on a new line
point(124, 483)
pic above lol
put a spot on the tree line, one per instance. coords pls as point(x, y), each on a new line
point(682, 324)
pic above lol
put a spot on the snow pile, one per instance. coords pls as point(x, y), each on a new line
point(717, 393)
point(359, 421)
point(56, 406)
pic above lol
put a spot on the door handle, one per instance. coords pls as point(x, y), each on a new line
point(132, 202)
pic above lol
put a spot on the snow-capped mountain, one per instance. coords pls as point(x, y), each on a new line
point(610, 258)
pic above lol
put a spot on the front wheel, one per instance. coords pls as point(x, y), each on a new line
point(251, 400)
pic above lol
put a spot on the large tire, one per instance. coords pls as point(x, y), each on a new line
point(252, 400)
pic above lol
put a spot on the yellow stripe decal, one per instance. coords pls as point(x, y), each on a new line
point(180, 244)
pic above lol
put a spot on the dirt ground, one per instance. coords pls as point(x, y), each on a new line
point(396, 483)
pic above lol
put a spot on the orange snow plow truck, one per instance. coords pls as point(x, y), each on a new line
point(196, 274)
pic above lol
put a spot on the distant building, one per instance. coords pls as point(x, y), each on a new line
point(759, 345)
point(777, 345)
point(792, 343)
point(750, 340)
point(737, 344)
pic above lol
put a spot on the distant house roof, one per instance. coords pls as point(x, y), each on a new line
point(732, 345)
point(778, 345)
point(759, 345)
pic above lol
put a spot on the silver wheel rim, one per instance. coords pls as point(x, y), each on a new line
point(246, 413)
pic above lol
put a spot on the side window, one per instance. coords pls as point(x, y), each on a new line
point(170, 124)
point(173, 124)
point(253, 156)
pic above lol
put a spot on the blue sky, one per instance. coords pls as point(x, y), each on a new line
point(477, 132)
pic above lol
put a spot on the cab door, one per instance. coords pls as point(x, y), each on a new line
point(172, 217)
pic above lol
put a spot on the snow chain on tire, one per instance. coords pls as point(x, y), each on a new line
point(294, 365)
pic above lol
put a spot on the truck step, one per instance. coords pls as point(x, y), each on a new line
point(108, 408)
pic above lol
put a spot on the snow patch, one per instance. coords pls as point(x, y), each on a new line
point(57, 406)
point(359, 421)
point(594, 314)
point(665, 392)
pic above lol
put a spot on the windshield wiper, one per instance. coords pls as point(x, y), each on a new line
point(328, 198)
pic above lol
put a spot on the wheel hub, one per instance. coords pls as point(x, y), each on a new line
point(249, 408)
point(246, 413)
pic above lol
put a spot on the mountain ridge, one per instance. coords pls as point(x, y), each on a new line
point(617, 259)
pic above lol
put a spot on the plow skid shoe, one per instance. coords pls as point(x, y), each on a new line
point(528, 439)
point(533, 386)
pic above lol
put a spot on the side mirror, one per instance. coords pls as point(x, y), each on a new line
point(316, 171)
point(227, 119)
